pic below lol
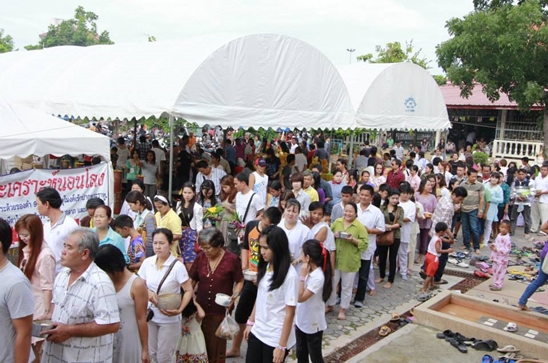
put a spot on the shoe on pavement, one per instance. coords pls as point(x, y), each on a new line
point(462, 264)
point(541, 234)
point(358, 304)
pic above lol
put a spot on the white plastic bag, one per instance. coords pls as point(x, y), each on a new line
point(228, 328)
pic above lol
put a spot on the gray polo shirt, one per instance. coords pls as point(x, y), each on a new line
point(475, 191)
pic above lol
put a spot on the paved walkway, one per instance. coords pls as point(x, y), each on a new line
point(377, 310)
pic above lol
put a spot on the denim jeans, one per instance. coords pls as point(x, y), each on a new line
point(470, 228)
point(533, 286)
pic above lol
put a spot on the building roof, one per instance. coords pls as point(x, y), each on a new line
point(477, 100)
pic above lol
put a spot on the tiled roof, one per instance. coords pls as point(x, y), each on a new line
point(477, 99)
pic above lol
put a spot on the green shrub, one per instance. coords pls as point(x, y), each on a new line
point(480, 158)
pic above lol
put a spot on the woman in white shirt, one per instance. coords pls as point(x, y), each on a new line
point(295, 230)
point(138, 186)
point(320, 230)
point(164, 329)
point(315, 287)
point(269, 332)
point(297, 182)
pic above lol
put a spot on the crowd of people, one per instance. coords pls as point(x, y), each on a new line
point(266, 225)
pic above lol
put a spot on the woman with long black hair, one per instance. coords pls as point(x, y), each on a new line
point(269, 330)
point(314, 290)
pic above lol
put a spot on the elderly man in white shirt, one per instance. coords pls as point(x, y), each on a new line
point(539, 209)
point(373, 219)
point(85, 310)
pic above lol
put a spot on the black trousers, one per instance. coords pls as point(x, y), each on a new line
point(309, 345)
point(363, 276)
point(246, 303)
point(259, 352)
point(442, 262)
point(390, 252)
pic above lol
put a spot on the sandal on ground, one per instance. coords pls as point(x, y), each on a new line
point(395, 317)
point(424, 296)
point(384, 331)
point(441, 282)
point(485, 345)
point(487, 359)
point(508, 349)
point(459, 345)
point(379, 280)
point(523, 307)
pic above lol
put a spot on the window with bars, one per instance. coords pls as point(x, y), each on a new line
point(521, 126)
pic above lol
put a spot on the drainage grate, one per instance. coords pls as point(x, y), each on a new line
point(470, 280)
point(360, 344)
point(363, 342)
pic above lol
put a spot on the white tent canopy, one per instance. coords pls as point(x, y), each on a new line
point(25, 131)
point(395, 96)
point(258, 80)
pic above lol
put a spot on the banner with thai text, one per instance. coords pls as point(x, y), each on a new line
point(76, 186)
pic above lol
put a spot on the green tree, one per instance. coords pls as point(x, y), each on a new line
point(440, 79)
point(80, 30)
point(394, 53)
point(504, 48)
point(6, 42)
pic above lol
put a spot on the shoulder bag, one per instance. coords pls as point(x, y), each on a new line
point(150, 312)
point(387, 238)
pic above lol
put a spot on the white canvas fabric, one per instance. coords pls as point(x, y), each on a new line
point(394, 96)
point(25, 131)
point(264, 79)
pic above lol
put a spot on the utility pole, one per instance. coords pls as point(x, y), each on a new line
point(350, 51)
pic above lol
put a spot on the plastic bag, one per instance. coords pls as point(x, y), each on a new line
point(228, 328)
point(506, 218)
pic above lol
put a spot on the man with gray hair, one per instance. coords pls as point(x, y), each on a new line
point(85, 311)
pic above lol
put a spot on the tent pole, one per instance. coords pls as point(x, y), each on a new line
point(170, 185)
point(438, 138)
point(351, 151)
point(329, 152)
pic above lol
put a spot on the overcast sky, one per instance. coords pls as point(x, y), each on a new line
point(330, 26)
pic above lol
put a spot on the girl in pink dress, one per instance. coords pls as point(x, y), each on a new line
point(500, 250)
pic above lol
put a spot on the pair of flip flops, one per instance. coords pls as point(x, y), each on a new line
point(457, 340)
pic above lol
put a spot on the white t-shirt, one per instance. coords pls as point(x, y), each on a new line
point(293, 147)
point(310, 316)
point(172, 285)
point(371, 217)
point(261, 186)
point(541, 185)
point(300, 162)
point(123, 156)
point(241, 204)
point(432, 246)
point(160, 156)
point(270, 308)
point(16, 301)
point(409, 211)
point(329, 242)
point(56, 235)
point(297, 236)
